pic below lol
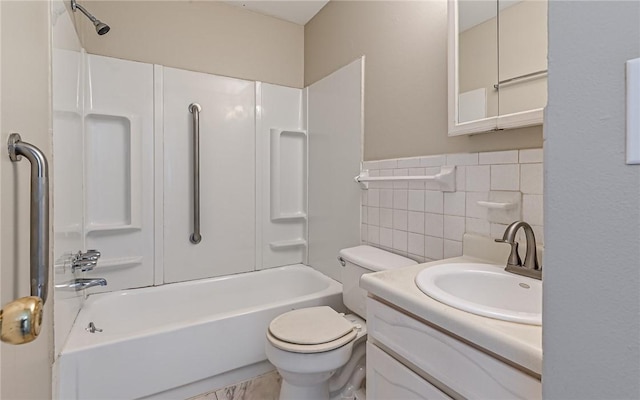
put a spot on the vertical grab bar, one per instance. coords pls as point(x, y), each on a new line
point(39, 236)
point(21, 320)
point(194, 109)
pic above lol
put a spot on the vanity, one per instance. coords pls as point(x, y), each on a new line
point(419, 347)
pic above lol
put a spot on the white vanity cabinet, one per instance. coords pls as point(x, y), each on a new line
point(409, 358)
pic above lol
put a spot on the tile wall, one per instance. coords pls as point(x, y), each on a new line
point(417, 220)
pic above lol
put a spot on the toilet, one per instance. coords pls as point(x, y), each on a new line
point(319, 352)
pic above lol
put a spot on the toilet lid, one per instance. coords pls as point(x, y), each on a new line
point(311, 348)
point(310, 326)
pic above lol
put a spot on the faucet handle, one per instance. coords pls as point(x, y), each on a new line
point(514, 256)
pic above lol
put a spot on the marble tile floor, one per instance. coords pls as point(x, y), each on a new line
point(263, 387)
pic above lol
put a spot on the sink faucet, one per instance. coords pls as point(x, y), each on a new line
point(530, 268)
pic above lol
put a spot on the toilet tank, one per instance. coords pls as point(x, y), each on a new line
point(361, 260)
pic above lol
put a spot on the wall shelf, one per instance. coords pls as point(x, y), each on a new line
point(285, 244)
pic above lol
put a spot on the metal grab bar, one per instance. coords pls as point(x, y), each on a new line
point(194, 109)
point(521, 77)
point(39, 236)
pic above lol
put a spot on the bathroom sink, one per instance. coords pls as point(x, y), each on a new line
point(484, 289)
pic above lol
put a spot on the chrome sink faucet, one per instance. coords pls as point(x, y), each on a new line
point(530, 268)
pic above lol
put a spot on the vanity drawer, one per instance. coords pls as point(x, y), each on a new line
point(388, 379)
point(464, 369)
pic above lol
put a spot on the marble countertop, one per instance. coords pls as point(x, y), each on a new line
point(521, 344)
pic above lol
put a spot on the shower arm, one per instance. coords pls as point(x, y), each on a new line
point(75, 5)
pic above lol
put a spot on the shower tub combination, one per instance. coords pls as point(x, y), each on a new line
point(182, 339)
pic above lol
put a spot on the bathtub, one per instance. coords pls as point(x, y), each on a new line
point(179, 340)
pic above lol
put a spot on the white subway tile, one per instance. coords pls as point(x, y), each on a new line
point(479, 226)
point(415, 222)
point(373, 234)
point(416, 172)
point(385, 184)
point(386, 218)
point(497, 230)
point(370, 165)
point(478, 178)
point(505, 177)
point(388, 164)
point(400, 220)
point(400, 240)
point(499, 157)
point(432, 185)
point(416, 244)
point(364, 213)
point(432, 161)
point(433, 247)
point(434, 224)
point(373, 216)
point(473, 210)
point(532, 209)
point(400, 199)
point(455, 203)
point(386, 237)
point(453, 227)
point(531, 178)
point(416, 200)
point(363, 197)
point(363, 233)
point(434, 201)
point(531, 156)
point(373, 198)
point(409, 162)
point(401, 184)
point(461, 178)
point(538, 231)
point(386, 198)
point(452, 248)
point(462, 159)
point(374, 185)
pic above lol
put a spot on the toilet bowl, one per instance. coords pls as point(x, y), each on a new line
point(319, 352)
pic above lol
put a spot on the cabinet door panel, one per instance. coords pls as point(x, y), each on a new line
point(388, 379)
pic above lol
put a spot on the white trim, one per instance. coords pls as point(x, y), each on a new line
point(158, 149)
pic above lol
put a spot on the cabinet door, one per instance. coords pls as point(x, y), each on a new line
point(388, 379)
point(466, 370)
point(227, 175)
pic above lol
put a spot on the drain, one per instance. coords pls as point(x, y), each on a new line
point(91, 328)
point(524, 285)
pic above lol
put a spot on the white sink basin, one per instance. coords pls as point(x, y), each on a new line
point(484, 289)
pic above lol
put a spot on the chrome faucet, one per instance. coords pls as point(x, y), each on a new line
point(85, 261)
point(530, 268)
point(82, 283)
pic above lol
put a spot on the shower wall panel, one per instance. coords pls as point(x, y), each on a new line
point(118, 165)
point(281, 176)
point(227, 175)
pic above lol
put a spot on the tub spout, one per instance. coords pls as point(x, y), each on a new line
point(82, 283)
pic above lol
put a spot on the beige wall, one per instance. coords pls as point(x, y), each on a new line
point(25, 98)
point(405, 44)
point(204, 36)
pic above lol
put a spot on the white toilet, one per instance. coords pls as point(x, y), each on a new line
point(319, 352)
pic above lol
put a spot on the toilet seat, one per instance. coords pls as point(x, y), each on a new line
point(310, 330)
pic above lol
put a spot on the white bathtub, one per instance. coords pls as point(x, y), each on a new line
point(178, 340)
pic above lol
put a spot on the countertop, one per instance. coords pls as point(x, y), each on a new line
point(521, 344)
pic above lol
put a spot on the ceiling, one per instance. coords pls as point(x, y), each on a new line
point(299, 11)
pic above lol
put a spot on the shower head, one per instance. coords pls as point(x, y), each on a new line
point(101, 27)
